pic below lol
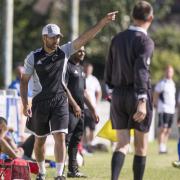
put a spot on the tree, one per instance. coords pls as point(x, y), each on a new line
point(91, 11)
point(28, 23)
point(167, 44)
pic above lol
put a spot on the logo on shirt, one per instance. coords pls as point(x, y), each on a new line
point(42, 59)
point(148, 61)
point(75, 72)
point(39, 62)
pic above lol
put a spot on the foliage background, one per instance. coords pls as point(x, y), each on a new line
point(28, 22)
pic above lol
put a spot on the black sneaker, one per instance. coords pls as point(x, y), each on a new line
point(40, 177)
point(60, 178)
point(76, 175)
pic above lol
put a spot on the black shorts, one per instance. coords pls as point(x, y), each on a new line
point(123, 106)
point(88, 120)
point(49, 116)
point(75, 128)
point(165, 120)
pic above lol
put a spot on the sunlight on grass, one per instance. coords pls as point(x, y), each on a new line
point(159, 167)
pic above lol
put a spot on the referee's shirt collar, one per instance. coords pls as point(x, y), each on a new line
point(137, 28)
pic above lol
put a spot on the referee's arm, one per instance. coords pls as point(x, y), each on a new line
point(141, 69)
point(108, 68)
point(142, 78)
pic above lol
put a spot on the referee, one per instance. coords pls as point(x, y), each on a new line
point(127, 72)
point(77, 86)
point(49, 112)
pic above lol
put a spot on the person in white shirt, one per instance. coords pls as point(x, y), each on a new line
point(164, 100)
point(93, 89)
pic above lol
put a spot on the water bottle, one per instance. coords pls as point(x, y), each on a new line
point(52, 164)
point(4, 156)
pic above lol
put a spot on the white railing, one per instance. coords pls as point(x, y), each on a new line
point(10, 109)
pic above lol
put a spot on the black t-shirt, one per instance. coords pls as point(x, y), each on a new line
point(75, 79)
point(48, 71)
point(129, 59)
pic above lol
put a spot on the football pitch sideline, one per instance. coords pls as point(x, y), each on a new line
point(159, 167)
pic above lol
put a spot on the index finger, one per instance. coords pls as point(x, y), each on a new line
point(114, 12)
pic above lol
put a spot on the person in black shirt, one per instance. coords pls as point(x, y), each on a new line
point(77, 86)
point(49, 112)
point(127, 72)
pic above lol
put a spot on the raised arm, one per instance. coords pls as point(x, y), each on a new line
point(91, 33)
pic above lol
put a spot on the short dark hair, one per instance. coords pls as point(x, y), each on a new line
point(87, 63)
point(3, 120)
point(142, 10)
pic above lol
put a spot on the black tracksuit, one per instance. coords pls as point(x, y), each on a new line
point(76, 84)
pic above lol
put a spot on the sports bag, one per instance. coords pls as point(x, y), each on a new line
point(11, 169)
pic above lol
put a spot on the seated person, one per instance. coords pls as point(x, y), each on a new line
point(8, 145)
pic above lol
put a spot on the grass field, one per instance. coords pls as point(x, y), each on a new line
point(159, 167)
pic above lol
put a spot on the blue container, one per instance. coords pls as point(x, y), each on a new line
point(52, 164)
point(4, 156)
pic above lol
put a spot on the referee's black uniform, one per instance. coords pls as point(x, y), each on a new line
point(127, 72)
point(76, 84)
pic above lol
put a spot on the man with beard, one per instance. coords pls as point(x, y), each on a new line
point(49, 112)
point(77, 87)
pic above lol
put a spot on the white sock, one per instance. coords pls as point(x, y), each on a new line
point(162, 147)
point(165, 148)
point(42, 168)
point(59, 168)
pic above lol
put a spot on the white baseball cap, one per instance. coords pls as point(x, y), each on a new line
point(51, 30)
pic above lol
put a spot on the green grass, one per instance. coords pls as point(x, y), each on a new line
point(158, 167)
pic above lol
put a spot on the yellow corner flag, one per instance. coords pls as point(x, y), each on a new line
point(107, 132)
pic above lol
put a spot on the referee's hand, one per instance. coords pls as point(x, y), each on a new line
point(141, 112)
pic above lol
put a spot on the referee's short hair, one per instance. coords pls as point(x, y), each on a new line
point(142, 11)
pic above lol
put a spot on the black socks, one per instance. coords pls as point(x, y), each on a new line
point(118, 161)
point(116, 164)
point(139, 167)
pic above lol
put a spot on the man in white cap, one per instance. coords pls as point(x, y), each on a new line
point(49, 111)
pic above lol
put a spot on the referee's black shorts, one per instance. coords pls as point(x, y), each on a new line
point(165, 120)
point(123, 106)
point(49, 116)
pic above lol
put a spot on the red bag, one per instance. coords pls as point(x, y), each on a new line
point(33, 166)
point(14, 169)
point(5, 169)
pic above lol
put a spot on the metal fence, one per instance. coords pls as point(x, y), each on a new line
point(10, 109)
